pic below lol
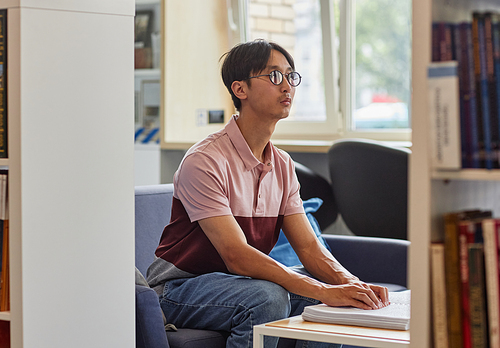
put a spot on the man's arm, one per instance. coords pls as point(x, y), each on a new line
point(317, 259)
point(242, 259)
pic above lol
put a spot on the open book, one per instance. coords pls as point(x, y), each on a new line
point(396, 316)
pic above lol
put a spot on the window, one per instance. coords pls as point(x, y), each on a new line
point(382, 52)
point(354, 56)
point(308, 53)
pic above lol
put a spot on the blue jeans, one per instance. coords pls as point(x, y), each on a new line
point(224, 302)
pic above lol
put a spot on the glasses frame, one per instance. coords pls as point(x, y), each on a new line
point(283, 76)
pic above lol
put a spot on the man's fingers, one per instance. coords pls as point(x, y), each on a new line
point(382, 292)
point(364, 295)
point(359, 304)
point(368, 299)
point(373, 294)
point(379, 294)
point(359, 295)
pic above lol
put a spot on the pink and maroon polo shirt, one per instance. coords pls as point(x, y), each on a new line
point(220, 176)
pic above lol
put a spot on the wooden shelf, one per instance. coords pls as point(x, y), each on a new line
point(5, 316)
point(467, 174)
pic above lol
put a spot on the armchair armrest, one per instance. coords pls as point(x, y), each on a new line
point(150, 332)
point(372, 259)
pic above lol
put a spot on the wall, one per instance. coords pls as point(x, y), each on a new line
point(190, 65)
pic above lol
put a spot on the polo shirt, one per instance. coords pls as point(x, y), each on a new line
point(220, 176)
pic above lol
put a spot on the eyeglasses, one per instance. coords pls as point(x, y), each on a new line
point(276, 78)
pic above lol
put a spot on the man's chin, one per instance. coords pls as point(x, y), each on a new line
point(285, 115)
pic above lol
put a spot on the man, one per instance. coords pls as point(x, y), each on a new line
point(233, 192)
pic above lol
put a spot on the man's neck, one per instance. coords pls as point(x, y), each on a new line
point(256, 133)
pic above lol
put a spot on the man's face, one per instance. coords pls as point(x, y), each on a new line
point(269, 99)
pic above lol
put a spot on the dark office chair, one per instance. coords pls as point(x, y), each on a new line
point(313, 185)
point(370, 185)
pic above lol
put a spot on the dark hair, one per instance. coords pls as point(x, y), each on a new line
point(247, 58)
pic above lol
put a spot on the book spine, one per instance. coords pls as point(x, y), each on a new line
point(435, 42)
point(475, 160)
point(496, 63)
point(466, 236)
point(439, 296)
point(3, 84)
point(4, 249)
point(483, 92)
point(469, 125)
point(5, 276)
point(477, 79)
point(477, 294)
point(491, 228)
point(458, 56)
point(492, 89)
point(444, 109)
point(453, 283)
point(5, 334)
point(445, 42)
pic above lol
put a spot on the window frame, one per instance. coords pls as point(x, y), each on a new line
point(339, 109)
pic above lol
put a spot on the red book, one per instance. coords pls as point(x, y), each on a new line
point(4, 334)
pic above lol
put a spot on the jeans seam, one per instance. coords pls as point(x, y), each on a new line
point(164, 300)
point(299, 297)
point(250, 337)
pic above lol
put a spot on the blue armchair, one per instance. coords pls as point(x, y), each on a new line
point(367, 257)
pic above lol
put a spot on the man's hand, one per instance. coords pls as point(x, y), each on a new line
point(356, 294)
point(345, 289)
point(381, 292)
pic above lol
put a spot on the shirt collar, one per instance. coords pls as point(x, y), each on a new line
point(241, 146)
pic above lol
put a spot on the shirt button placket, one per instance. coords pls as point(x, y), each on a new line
point(259, 209)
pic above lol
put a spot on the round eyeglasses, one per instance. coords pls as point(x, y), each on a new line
point(276, 78)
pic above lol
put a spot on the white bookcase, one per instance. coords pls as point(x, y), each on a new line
point(431, 192)
point(70, 131)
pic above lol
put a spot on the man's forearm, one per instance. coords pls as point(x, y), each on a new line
point(250, 262)
point(243, 259)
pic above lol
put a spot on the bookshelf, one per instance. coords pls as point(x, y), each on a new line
point(70, 133)
point(467, 174)
point(147, 73)
point(433, 192)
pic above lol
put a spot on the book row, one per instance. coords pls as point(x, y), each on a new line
point(467, 120)
point(465, 282)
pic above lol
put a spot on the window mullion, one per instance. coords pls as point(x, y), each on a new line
point(347, 61)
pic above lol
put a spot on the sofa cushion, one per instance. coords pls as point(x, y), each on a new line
point(150, 332)
point(283, 251)
point(152, 213)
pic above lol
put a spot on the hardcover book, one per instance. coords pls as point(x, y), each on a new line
point(439, 320)
point(491, 229)
point(479, 329)
point(3, 84)
point(444, 110)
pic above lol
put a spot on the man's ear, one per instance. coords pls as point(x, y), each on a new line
point(239, 89)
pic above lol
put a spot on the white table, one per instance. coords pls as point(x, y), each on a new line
point(297, 328)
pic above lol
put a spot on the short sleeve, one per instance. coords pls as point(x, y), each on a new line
point(294, 202)
point(201, 188)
